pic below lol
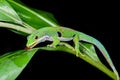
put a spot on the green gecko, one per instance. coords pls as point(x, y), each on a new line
point(57, 34)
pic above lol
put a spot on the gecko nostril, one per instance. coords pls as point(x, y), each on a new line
point(74, 35)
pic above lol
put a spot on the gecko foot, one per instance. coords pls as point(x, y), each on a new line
point(67, 45)
point(79, 53)
point(52, 46)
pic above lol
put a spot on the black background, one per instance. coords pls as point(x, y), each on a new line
point(98, 19)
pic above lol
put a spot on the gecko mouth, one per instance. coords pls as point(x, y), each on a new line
point(31, 46)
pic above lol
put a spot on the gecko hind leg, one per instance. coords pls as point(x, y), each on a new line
point(76, 42)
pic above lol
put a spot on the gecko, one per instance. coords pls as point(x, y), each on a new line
point(57, 34)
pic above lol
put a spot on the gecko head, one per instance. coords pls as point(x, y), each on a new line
point(33, 40)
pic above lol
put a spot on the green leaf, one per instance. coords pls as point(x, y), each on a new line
point(37, 19)
point(89, 50)
point(86, 58)
point(7, 13)
point(26, 18)
point(47, 15)
point(12, 63)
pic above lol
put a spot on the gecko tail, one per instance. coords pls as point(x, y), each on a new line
point(102, 49)
point(116, 73)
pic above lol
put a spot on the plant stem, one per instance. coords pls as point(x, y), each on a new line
point(15, 27)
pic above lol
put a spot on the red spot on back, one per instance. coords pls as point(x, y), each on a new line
point(61, 30)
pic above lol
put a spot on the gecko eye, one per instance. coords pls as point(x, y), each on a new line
point(36, 37)
point(59, 34)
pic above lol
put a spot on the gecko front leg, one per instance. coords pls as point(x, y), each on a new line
point(56, 41)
